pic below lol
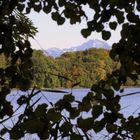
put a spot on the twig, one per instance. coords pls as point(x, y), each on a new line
point(46, 98)
point(129, 94)
point(136, 110)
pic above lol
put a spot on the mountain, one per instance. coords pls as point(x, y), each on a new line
point(55, 52)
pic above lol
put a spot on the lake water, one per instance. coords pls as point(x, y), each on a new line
point(130, 104)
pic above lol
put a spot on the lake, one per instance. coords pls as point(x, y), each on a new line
point(130, 104)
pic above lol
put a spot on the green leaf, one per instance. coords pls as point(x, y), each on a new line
point(3, 131)
point(28, 10)
point(53, 116)
point(119, 16)
point(113, 25)
point(137, 135)
point(111, 128)
point(21, 7)
point(99, 125)
point(84, 106)
point(134, 77)
point(37, 8)
point(106, 35)
point(55, 16)
point(61, 20)
point(33, 125)
point(113, 117)
point(106, 15)
point(24, 84)
point(61, 3)
point(66, 128)
point(75, 137)
point(122, 90)
point(108, 93)
point(41, 110)
point(99, 27)
point(22, 100)
point(113, 2)
point(74, 112)
point(16, 133)
point(97, 111)
point(47, 9)
point(68, 98)
point(85, 124)
point(85, 32)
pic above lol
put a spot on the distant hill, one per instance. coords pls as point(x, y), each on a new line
point(56, 52)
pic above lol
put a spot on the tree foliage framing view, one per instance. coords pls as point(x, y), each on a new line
point(104, 105)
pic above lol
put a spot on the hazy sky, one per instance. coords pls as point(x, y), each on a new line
point(65, 36)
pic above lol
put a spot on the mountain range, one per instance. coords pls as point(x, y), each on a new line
point(56, 52)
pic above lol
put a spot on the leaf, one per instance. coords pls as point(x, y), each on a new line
point(75, 137)
point(24, 84)
point(99, 27)
point(137, 135)
point(41, 109)
point(3, 131)
point(113, 25)
point(85, 124)
point(61, 3)
point(106, 15)
point(97, 111)
point(37, 8)
point(122, 90)
point(66, 128)
point(21, 7)
point(119, 16)
point(111, 128)
point(53, 116)
point(61, 20)
point(85, 32)
point(16, 133)
point(74, 112)
point(47, 9)
point(99, 125)
point(86, 106)
point(106, 35)
point(108, 93)
point(68, 98)
point(113, 117)
point(55, 16)
point(133, 77)
point(33, 125)
point(22, 100)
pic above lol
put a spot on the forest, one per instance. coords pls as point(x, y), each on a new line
point(83, 67)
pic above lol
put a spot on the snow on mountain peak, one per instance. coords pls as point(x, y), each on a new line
point(56, 52)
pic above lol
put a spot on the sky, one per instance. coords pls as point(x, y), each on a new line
point(51, 35)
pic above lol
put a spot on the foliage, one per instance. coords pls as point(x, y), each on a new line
point(70, 68)
point(73, 67)
point(76, 66)
point(15, 30)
